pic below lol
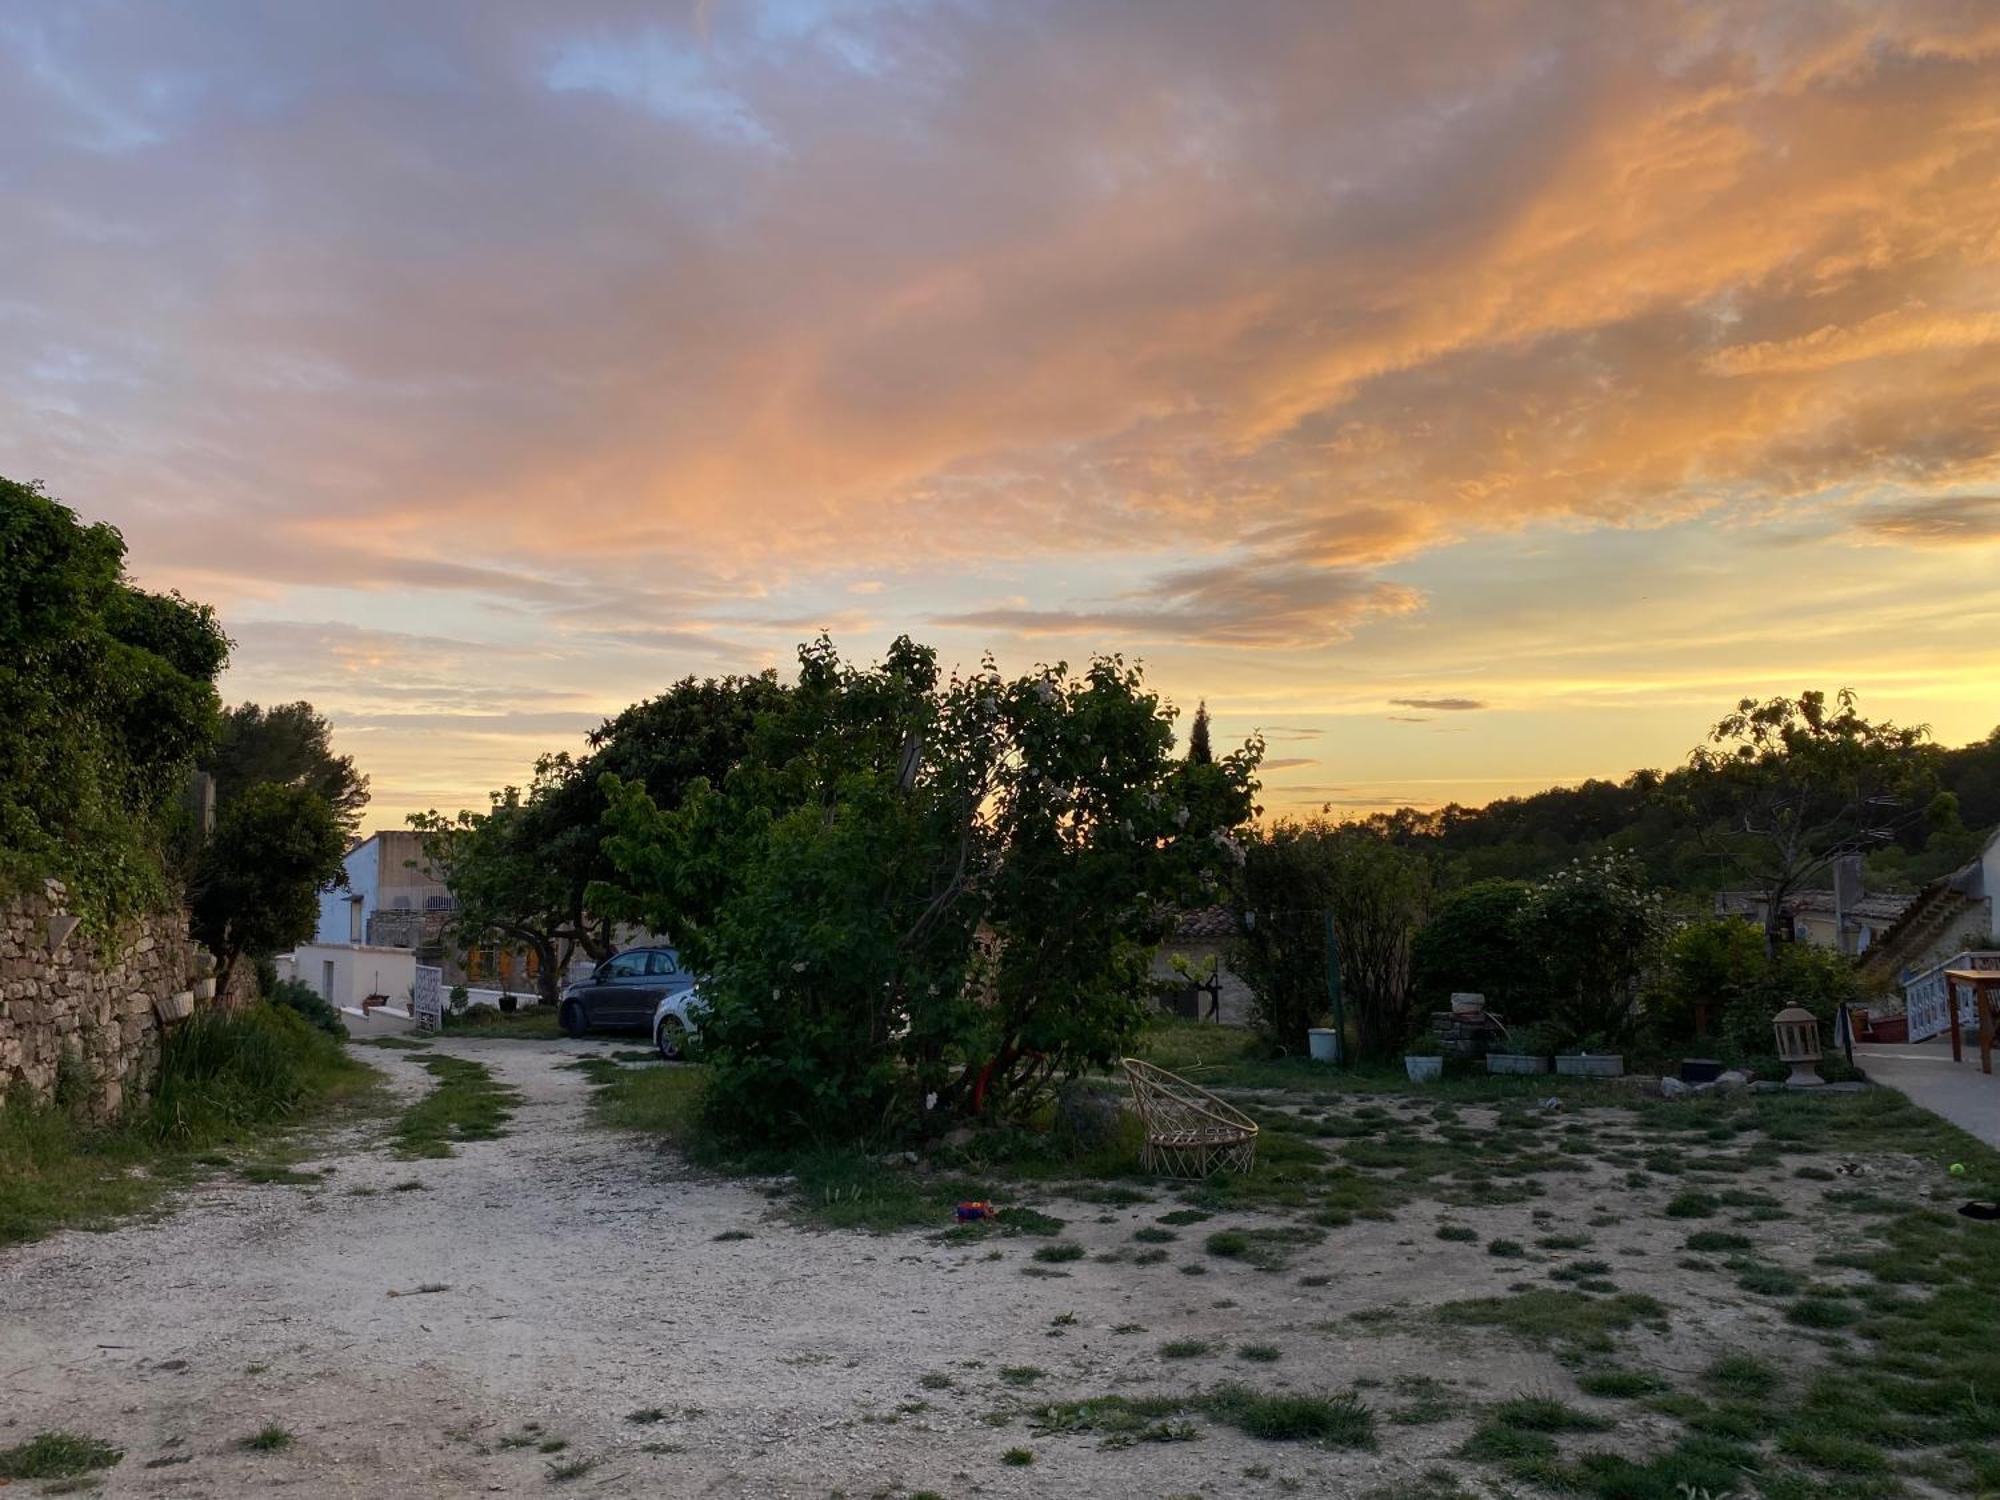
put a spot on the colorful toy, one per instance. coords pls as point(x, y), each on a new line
point(971, 1212)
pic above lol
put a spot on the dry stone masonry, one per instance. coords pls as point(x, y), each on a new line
point(63, 993)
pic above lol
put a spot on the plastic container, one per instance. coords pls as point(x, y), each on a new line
point(1324, 1044)
point(1424, 1069)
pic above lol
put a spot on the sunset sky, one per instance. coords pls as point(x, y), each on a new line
point(1471, 397)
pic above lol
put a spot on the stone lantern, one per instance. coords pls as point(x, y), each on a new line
point(1797, 1031)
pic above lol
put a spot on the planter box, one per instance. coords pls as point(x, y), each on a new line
point(1516, 1062)
point(172, 1008)
point(1595, 1066)
point(1888, 1029)
point(1424, 1069)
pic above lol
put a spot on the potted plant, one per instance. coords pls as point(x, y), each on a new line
point(1423, 1060)
point(1527, 1049)
point(1590, 1058)
point(507, 1002)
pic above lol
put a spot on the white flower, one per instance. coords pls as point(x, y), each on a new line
point(930, 1101)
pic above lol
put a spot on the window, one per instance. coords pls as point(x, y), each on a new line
point(661, 964)
point(626, 966)
point(354, 904)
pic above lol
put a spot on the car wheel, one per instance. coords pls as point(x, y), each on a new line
point(671, 1037)
point(571, 1019)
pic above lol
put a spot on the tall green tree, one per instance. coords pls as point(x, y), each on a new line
point(522, 870)
point(107, 696)
point(513, 876)
point(1200, 751)
point(918, 898)
point(1792, 784)
point(258, 877)
point(290, 744)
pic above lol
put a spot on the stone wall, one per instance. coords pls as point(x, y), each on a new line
point(59, 992)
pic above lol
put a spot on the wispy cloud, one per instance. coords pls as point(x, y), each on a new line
point(621, 346)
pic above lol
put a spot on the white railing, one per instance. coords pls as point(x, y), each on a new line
point(1923, 994)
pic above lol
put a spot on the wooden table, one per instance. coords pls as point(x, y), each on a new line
point(1985, 987)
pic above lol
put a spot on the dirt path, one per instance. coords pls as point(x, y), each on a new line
point(585, 1283)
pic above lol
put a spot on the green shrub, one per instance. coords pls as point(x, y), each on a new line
point(222, 1071)
point(296, 995)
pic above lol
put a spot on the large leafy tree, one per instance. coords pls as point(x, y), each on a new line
point(523, 869)
point(291, 744)
point(917, 898)
point(1790, 785)
point(107, 696)
point(513, 876)
point(258, 877)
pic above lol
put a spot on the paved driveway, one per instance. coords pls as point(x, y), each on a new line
point(1925, 1072)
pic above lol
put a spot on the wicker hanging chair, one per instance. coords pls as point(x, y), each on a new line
point(1189, 1132)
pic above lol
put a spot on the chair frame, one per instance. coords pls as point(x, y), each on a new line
point(1188, 1131)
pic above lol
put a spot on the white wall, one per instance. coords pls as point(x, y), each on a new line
point(357, 973)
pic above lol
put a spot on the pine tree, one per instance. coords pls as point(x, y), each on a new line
point(1199, 752)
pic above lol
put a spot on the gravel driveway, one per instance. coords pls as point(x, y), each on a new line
point(583, 1282)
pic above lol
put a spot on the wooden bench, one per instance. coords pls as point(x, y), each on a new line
point(1188, 1131)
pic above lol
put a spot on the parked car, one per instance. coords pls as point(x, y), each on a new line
point(624, 992)
point(676, 1021)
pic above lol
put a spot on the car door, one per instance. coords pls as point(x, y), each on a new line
point(614, 995)
point(663, 976)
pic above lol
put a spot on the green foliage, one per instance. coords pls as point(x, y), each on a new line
point(1791, 784)
point(525, 870)
point(289, 744)
point(917, 899)
point(1474, 941)
point(257, 880)
point(1594, 929)
point(1722, 963)
point(106, 699)
point(1297, 873)
point(221, 1072)
point(296, 995)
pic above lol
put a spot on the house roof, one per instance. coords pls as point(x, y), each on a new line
point(1937, 905)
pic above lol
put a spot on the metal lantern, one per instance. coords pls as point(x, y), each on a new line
point(1797, 1031)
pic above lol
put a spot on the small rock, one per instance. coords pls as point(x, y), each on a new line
point(1673, 1088)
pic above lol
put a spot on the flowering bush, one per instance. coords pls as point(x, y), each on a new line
point(1595, 929)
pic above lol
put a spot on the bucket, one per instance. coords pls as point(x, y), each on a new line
point(1324, 1044)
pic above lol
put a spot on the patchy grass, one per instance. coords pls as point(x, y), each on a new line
point(1574, 1319)
point(467, 1105)
point(529, 1023)
point(268, 1439)
point(57, 1455)
point(1337, 1421)
point(242, 1079)
point(393, 1043)
point(1017, 1458)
